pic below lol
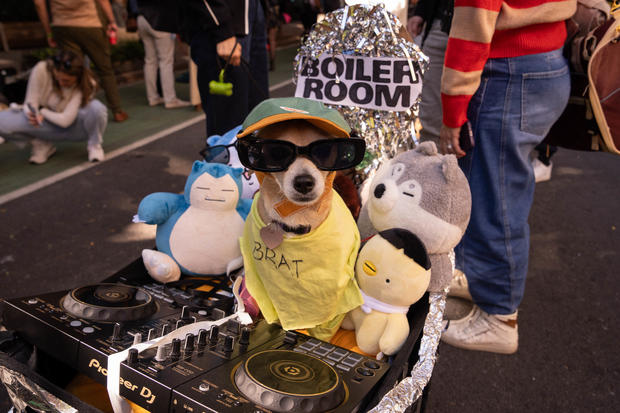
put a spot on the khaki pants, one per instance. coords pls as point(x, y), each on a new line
point(92, 42)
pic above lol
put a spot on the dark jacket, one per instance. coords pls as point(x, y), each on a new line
point(431, 10)
point(222, 18)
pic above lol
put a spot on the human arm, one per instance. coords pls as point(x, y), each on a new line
point(469, 44)
point(416, 22)
point(41, 7)
point(107, 11)
point(36, 82)
point(65, 118)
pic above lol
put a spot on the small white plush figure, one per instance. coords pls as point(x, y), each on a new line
point(198, 231)
point(393, 272)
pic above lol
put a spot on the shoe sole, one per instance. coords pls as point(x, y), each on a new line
point(499, 349)
point(46, 159)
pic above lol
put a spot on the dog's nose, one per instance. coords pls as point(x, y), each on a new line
point(379, 190)
point(303, 183)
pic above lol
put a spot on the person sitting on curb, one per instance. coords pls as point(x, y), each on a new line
point(59, 106)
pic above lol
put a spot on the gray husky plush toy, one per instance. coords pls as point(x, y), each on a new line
point(427, 194)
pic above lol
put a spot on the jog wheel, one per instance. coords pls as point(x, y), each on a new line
point(109, 302)
point(286, 381)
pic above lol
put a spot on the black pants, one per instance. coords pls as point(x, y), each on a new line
point(250, 83)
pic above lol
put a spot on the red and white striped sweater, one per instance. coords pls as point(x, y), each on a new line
point(484, 29)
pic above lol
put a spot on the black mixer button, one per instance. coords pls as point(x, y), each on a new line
point(88, 330)
point(341, 352)
point(335, 356)
point(327, 347)
point(320, 351)
point(75, 323)
point(364, 371)
point(371, 364)
point(343, 367)
point(313, 342)
point(330, 362)
point(306, 346)
point(299, 350)
point(350, 361)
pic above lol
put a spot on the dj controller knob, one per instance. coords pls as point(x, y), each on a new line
point(180, 323)
point(165, 329)
point(116, 332)
point(214, 335)
point(229, 342)
point(137, 338)
point(244, 340)
point(176, 348)
point(185, 313)
point(132, 356)
point(233, 326)
point(202, 337)
point(218, 313)
point(151, 334)
point(161, 353)
point(189, 343)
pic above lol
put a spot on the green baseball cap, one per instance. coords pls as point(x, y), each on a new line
point(277, 110)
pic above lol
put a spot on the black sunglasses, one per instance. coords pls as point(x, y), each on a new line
point(217, 153)
point(270, 155)
point(59, 63)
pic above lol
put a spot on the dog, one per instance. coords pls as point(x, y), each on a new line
point(300, 240)
point(303, 184)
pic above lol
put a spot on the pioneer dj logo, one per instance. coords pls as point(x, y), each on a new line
point(144, 391)
point(94, 364)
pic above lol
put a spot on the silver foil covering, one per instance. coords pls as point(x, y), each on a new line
point(24, 393)
point(365, 30)
point(405, 393)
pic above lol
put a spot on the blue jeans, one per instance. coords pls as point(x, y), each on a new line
point(518, 100)
point(89, 126)
point(250, 84)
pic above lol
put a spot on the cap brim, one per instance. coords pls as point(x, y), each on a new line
point(321, 123)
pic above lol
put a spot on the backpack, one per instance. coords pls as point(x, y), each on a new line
point(591, 120)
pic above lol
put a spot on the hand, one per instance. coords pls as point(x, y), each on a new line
point(225, 47)
point(34, 120)
point(449, 141)
point(414, 25)
point(112, 27)
point(51, 42)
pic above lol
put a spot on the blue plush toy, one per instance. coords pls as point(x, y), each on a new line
point(197, 232)
point(221, 149)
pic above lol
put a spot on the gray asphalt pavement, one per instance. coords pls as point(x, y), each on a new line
point(79, 231)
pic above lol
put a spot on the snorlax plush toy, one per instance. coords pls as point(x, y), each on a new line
point(197, 232)
point(427, 194)
point(393, 272)
point(224, 151)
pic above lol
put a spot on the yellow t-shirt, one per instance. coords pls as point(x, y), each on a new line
point(307, 280)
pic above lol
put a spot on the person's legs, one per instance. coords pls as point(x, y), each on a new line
point(95, 45)
point(150, 61)
point(430, 105)
point(93, 119)
point(164, 44)
point(516, 104)
point(257, 58)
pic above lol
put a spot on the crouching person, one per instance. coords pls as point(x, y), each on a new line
point(59, 106)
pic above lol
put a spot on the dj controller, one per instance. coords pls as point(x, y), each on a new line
point(228, 367)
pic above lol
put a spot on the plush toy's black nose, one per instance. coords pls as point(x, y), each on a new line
point(379, 190)
point(303, 183)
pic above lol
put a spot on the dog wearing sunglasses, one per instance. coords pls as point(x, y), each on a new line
point(300, 240)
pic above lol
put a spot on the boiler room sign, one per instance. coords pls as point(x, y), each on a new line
point(380, 83)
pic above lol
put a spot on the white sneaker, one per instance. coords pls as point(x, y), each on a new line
point(95, 153)
point(483, 332)
point(157, 101)
point(459, 286)
point(41, 151)
point(177, 103)
point(542, 172)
